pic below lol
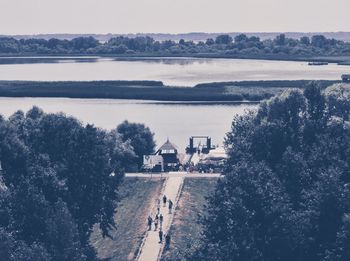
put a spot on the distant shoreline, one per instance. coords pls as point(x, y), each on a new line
point(340, 60)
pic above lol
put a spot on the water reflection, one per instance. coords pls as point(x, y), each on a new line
point(168, 61)
point(49, 59)
point(178, 121)
point(171, 71)
point(84, 59)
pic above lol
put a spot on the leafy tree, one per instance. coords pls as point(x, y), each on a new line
point(209, 41)
point(59, 178)
point(123, 156)
point(12, 249)
point(84, 43)
point(285, 193)
point(280, 39)
point(305, 40)
point(223, 39)
point(9, 45)
point(241, 38)
point(318, 41)
point(66, 246)
point(339, 101)
point(140, 138)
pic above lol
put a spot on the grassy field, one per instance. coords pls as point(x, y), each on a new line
point(185, 230)
point(152, 90)
point(138, 196)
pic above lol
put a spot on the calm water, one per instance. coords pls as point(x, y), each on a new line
point(176, 121)
point(172, 71)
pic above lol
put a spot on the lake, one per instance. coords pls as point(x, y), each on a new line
point(175, 121)
point(172, 71)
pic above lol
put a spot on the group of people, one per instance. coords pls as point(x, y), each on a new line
point(159, 218)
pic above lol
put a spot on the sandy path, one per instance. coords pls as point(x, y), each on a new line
point(151, 248)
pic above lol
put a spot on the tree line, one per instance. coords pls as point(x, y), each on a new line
point(223, 45)
point(58, 178)
point(286, 190)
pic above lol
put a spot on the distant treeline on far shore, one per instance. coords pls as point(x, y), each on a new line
point(281, 47)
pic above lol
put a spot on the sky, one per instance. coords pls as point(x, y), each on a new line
point(172, 16)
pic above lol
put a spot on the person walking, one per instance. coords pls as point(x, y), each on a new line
point(149, 221)
point(160, 236)
point(164, 200)
point(158, 205)
point(161, 220)
point(158, 208)
point(155, 224)
point(170, 206)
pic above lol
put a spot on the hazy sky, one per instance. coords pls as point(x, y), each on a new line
point(173, 16)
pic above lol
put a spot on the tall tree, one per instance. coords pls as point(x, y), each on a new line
point(223, 39)
point(285, 193)
point(140, 137)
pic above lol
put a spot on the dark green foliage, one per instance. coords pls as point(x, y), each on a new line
point(59, 178)
point(12, 249)
point(140, 138)
point(286, 192)
point(223, 39)
point(280, 39)
point(223, 46)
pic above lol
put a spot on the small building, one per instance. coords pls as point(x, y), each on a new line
point(165, 159)
point(346, 78)
point(169, 152)
point(153, 163)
